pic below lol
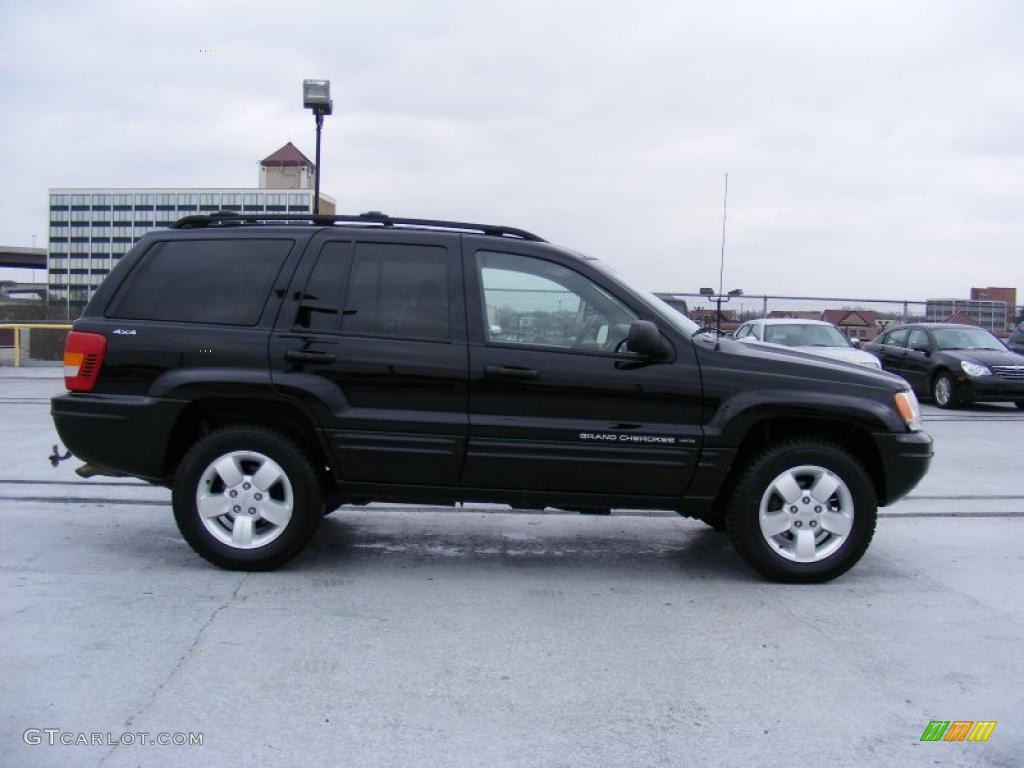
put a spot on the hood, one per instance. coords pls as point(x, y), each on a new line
point(790, 361)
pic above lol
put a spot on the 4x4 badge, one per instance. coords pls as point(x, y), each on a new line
point(125, 331)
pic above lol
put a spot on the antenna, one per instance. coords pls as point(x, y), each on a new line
point(721, 264)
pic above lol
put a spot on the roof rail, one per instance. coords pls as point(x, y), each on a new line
point(370, 218)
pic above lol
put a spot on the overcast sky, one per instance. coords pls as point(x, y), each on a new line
point(873, 148)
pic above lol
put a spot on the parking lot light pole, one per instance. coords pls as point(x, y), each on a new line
point(719, 300)
point(316, 95)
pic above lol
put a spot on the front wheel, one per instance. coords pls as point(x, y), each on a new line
point(246, 498)
point(943, 394)
point(803, 512)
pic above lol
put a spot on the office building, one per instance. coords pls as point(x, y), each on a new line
point(988, 314)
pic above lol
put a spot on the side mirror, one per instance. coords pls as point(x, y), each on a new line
point(645, 339)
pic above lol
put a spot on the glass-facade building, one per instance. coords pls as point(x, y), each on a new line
point(91, 229)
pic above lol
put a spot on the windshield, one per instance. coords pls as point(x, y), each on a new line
point(805, 335)
point(966, 338)
point(681, 322)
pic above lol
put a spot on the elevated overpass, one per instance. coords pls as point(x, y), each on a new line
point(22, 258)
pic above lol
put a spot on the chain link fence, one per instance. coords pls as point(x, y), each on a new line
point(858, 318)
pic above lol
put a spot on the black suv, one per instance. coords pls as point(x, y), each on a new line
point(270, 368)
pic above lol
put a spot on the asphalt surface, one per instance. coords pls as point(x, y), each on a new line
point(489, 637)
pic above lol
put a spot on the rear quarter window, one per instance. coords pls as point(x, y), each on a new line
point(225, 282)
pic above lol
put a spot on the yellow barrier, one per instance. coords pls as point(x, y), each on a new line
point(17, 335)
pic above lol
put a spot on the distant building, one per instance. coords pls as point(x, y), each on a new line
point(795, 314)
point(855, 323)
point(287, 168)
point(1009, 295)
point(960, 319)
point(991, 315)
point(92, 228)
point(730, 321)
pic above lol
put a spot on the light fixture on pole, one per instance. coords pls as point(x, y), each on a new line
point(316, 95)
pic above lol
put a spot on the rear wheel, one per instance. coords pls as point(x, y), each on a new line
point(943, 394)
point(803, 511)
point(247, 498)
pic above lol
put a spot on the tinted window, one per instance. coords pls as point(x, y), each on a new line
point(202, 281)
point(540, 303)
point(896, 338)
point(398, 290)
point(320, 305)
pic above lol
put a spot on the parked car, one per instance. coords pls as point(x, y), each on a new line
point(269, 368)
point(953, 364)
point(812, 336)
point(1016, 341)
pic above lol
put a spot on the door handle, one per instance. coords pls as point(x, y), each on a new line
point(510, 372)
point(298, 356)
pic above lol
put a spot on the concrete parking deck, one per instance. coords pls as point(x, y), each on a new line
point(489, 637)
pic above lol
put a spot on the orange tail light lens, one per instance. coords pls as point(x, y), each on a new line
point(83, 357)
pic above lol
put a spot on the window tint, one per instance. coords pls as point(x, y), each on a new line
point(399, 291)
point(320, 305)
point(896, 338)
point(202, 281)
point(540, 303)
point(918, 338)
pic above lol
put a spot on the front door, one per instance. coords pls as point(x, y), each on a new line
point(917, 364)
point(555, 402)
point(371, 338)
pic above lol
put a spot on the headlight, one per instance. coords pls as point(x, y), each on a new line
point(909, 409)
point(973, 369)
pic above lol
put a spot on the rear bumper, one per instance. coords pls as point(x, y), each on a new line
point(905, 460)
point(989, 389)
point(121, 432)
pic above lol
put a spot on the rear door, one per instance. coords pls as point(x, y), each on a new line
point(553, 405)
point(372, 339)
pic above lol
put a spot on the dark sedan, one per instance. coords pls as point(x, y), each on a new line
point(952, 364)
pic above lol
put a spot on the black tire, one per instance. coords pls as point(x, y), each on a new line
point(1020, 404)
point(305, 486)
point(743, 516)
point(937, 395)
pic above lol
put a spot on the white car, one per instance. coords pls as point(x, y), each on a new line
point(815, 337)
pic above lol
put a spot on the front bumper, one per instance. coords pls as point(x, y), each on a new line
point(125, 433)
point(977, 389)
point(905, 460)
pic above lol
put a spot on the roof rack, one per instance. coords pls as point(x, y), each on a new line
point(371, 218)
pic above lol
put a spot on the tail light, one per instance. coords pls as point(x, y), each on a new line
point(83, 356)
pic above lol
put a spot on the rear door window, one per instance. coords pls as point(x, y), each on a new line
point(225, 282)
point(399, 291)
point(918, 338)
